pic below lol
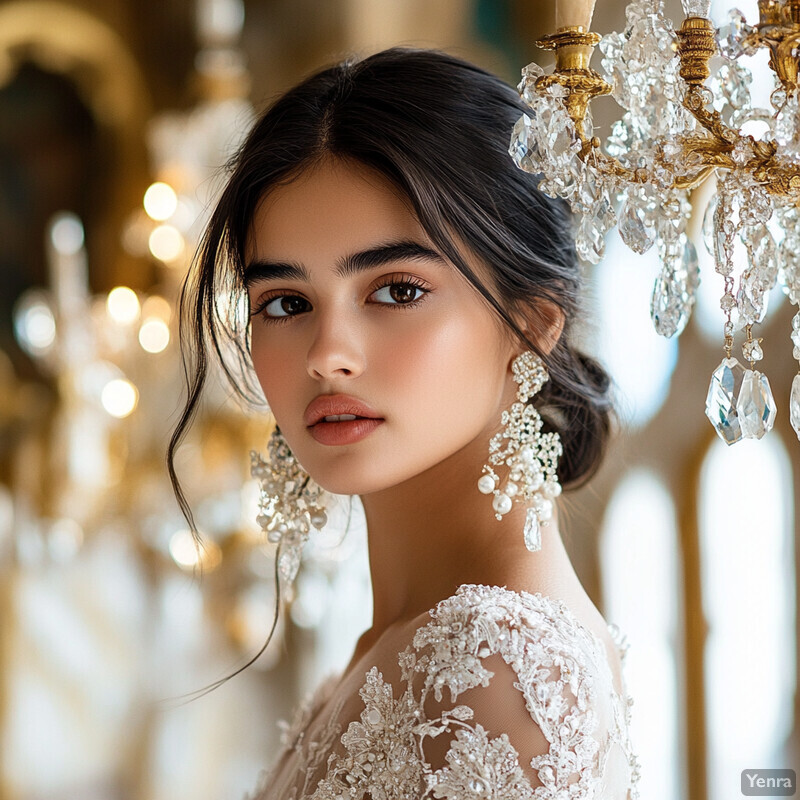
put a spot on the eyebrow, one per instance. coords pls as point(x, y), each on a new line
point(352, 264)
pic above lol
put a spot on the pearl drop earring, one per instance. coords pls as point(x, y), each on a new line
point(530, 455)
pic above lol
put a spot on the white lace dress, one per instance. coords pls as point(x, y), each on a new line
point(539, 716)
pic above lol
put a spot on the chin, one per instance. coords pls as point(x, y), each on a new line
point(338, 477)
point(344, 484)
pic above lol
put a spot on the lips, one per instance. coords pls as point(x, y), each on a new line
point(327, 405)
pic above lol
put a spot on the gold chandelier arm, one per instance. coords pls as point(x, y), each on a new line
point(784, 61)
point(696, 45)
point(694, 102)
point(590, 152)
point(780, 179)
point(690, 181)
point(719, 150)
point(581, 83)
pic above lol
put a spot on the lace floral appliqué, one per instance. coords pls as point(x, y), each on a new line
point(559, 667)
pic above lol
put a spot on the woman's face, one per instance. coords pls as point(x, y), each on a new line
point(349, 297)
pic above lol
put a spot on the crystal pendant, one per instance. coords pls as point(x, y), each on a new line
point(293, 542)
point(794, 405)
point(559, 140)
point(533, 533)
point(527, 86)
point(750, 303)
point(732, 35)
point(752, 350)
point(661, 305)
point(520, 149)
point(675, 288)
point(786, 126)
point(633, 231)
point(589, 240)
point(756, 406)
point(720, 403)
point(708, 225)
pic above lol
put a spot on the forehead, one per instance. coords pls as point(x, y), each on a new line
point(332, 207)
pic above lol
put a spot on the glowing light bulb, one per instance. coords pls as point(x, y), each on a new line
point(66, 234)
point(154, 335)
point(166, 243)
point(123, 305)
point(160, 201)
point(119, 397)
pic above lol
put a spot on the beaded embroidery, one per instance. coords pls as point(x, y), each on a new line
point(561, 670)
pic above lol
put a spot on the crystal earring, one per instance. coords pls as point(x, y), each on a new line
point(530, 455)
point(289, 502)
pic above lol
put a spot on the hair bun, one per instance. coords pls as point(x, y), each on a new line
point(578, 403)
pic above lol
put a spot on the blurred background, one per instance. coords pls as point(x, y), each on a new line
point(115, 118)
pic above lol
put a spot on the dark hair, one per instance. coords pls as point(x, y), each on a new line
point(439, 129)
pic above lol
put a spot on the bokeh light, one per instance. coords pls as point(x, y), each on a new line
point(154, 335)
point(166, 243)
point(66, 233)
point(34, 323)
point(188, 554)
point(184, 550)
point(119, 397)
point(160, 201)
point(123, 305)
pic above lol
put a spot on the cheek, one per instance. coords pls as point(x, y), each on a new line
point(449, 373)
point(272, 365)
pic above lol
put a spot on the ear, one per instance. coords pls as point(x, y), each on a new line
point(543, 322)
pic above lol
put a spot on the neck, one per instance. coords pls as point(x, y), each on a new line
point(436, 531)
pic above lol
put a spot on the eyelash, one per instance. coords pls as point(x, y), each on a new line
point(405, 280)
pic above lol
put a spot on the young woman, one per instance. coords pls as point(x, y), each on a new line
point(403, 273)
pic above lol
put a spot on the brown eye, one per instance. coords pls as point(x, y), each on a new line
point(271, 308)
point(403, 292)
point(400, 293)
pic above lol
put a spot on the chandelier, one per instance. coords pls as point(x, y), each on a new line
point(686, 96)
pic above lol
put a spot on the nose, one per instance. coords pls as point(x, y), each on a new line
point(336, 349)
